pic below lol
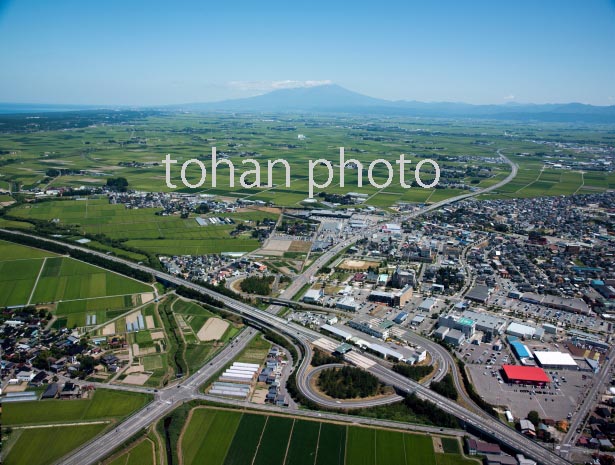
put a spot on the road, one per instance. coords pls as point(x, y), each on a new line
point(97, 449)
point(599, 383)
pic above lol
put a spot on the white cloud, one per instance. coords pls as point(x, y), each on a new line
point(264, 86)
point(509, 97)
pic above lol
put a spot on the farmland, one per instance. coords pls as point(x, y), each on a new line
point(32, 276)
point(465, 152)
point(105, 404)
point(142, 229)
point(221, 437)
point(43, 446)
point(51, 438)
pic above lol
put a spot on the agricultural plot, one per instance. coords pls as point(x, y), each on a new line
point(142, 454)
point(105, 404)
point(30, 276)
point(235, 438)
point(67, 279)
point(211, 433)
point(143, 229)
point(42, 446)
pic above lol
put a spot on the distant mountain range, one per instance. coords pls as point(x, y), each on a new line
point(332, 98)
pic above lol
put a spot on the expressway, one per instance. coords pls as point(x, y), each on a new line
point(305, 337)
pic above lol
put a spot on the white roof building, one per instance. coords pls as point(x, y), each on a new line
point(554, 359)
point(519, 330)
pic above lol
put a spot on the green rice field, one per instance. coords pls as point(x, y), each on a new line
point(32, 276)
point(220, 437)
point(47, 441)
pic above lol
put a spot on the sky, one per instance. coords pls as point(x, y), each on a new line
point(154, 52)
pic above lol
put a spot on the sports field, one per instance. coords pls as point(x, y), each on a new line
point(221, 437)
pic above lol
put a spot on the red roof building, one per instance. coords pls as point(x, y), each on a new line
point(527, 375)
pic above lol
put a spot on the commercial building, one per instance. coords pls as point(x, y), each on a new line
point(521, 351)
point(555, 360)
point(373, 327)
point(486, 323)
point(462, 324)
point(348, 304)
point(454, 337)
point(392, 299)
point(479, 293)
point(520, 330)
point(313, 296)
point(525, 374)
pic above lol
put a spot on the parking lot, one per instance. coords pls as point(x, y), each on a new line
point(549, 401)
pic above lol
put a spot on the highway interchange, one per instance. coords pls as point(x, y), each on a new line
point(169, 398)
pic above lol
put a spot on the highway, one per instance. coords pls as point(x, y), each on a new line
point(98, 448)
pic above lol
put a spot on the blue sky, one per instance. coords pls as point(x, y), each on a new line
point(151, 52)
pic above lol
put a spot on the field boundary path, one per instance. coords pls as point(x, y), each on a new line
point(40, 272)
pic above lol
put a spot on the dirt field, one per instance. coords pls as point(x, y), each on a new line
point(108, 330)
point(356, 265)
point(147, 297)
point(149, 322)
point(278, 245)
point(300, 246)
point(212, 330)
point(157, 335)
point(138, 379)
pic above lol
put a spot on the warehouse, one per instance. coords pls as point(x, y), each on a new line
point(479, 293)
point(525, 375)
point(348, 304)
point(344, 335)
point(555, 360)
point(486, 323)
point(427, 305)
point(520, 349)
point(519, 330)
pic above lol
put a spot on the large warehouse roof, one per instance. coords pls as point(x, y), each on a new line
point(525, 374)
point(547, 359)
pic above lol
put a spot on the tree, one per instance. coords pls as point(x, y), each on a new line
point(118, 184)
point(534, 417)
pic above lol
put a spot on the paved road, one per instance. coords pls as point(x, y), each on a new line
point(599, 383)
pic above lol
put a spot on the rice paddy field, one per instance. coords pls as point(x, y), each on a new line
point(144, 230)
point(222, 437)
point(32, 276)
point(100, 151)
point(45, 441)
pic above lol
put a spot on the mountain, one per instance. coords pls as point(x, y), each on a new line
point(329, 97)
point(332, 98)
